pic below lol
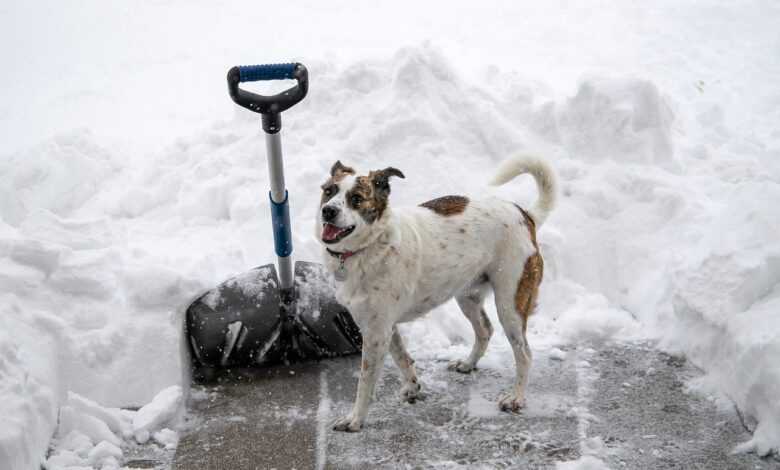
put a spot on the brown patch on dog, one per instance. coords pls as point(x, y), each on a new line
point(362, 198)
point(528, 287)
point(329, 189)
point(447, 205)
point(529, 222)
point(337, 173)
point(370, 194)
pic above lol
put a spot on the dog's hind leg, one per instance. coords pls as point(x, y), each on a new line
point(514, 328)
point(470, 302)
point(410, 390)
point(515, 301)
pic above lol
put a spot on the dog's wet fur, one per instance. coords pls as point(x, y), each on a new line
point(402, 263)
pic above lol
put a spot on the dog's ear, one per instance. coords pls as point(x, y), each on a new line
point(381, 178)
point(390, 171)
point(339, 168)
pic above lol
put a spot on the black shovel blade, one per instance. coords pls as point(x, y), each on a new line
point(322, 326)
point(237, 322)
point(248, 321)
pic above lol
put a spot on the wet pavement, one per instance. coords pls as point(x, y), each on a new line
point(624, 404)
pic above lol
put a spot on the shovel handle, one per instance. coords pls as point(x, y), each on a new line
point(254, 73)
point(268, 106)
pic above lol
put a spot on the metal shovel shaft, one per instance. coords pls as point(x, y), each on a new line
point(280, 211)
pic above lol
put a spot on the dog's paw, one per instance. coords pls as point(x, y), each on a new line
point(463, 367)
point(347, 424)
point(511, 403)
point(410, 392)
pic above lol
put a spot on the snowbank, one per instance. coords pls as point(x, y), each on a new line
point(31, 386)
point(726, 300)
point(666, 226)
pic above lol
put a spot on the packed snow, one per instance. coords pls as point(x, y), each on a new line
point(129, 184)
point(92, 436)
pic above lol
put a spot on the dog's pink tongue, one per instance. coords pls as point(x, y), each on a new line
point(330, 232)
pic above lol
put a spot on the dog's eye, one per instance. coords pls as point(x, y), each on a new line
point(329, 191)
point(356, 199)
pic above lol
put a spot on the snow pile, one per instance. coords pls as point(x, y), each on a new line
point(93, 436)
point(728, 293)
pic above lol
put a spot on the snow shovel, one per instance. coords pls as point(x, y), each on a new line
point(270, 314)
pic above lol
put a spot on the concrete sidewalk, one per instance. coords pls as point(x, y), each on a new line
point(625, 404)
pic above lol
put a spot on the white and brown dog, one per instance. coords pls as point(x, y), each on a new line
point(394, 266)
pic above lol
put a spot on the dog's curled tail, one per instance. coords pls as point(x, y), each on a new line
point(545, 182)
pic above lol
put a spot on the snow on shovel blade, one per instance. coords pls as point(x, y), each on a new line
point(238, 322)
point(322, 327)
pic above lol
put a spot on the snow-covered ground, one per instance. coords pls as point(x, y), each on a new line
point(129, 182)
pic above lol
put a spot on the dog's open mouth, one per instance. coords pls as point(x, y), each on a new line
point(332, 233)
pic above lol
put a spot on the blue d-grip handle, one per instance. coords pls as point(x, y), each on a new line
point(280, 218)
point(269, 106)
point(254, 73)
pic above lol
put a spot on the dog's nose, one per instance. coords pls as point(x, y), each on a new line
point(329, 213)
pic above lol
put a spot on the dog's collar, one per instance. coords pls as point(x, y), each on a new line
point(340, 274)
point(344, 255)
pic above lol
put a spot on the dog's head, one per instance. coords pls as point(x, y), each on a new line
point(352, 207)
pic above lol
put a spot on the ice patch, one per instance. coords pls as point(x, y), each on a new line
point(480, 407)
point(587, 462)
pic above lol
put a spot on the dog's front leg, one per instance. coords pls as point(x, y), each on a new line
point(376, 340)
